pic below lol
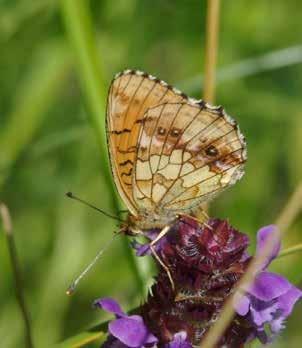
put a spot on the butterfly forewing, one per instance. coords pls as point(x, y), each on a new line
point(169, 152)
point(130, 95)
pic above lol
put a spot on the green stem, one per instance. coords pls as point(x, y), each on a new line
point(291, 209)
point(7, 228)
point(78, 26)
point(211, 47)
point(291, 250)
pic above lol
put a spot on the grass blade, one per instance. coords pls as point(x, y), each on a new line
point(34, 97)
point(78, 25)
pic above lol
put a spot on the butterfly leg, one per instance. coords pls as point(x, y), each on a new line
point(163, 265)
point(161, 234)
point(204, 213)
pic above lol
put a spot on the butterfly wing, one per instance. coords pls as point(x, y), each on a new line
point(131, 94)
point(187, 152)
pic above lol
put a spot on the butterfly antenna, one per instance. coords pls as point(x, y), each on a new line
point(72, 196)
point(71, 289)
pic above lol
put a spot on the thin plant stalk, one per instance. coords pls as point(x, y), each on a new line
point(291, 250)
point(291, 210)
point(211, 45)
point(284, 220)
point(269, 61)
point(8, 231)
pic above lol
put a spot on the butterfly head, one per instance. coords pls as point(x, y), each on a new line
point(144, 221)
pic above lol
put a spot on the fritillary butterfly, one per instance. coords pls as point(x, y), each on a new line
point(169, 153)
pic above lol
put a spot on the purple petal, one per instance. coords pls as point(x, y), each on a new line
point(277, 325)
point(179, 341)
point(263, 235)
point(245, 256)
point(113, 342)
point(262, 313)
point(241, 304)
point(131, 331)
point(287, 301)
point(151, 339)
point(109, 305)
point(143, 249)
point(268, 286)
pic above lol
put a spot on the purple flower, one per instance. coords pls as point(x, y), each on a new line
point(270, 298)
point(130, 331)
point(205, 261)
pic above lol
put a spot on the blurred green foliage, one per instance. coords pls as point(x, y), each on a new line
point(49, 144)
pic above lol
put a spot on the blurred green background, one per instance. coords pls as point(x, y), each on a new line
point(52, 102)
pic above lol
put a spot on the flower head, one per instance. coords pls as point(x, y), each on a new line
point(205, 262)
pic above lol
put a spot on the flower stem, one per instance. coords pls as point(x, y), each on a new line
point(291, 209)
point(8, 231)
point(211, 44)
point(291, 250)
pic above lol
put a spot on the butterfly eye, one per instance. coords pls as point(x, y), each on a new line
point(211, 151)
point(175, 132)
point(161, 131)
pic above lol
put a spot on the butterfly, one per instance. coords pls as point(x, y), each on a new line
point(169, 153)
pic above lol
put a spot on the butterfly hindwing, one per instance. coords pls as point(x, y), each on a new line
point(186, 153)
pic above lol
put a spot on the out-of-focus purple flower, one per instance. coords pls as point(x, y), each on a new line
point(270, 298)
point(128, 330)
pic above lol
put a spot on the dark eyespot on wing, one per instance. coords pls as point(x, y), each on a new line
point(211, 151)
point(175, 132)
point(161, 131)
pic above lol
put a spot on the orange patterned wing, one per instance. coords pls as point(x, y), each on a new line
point(131, 94)
point(187, 152)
